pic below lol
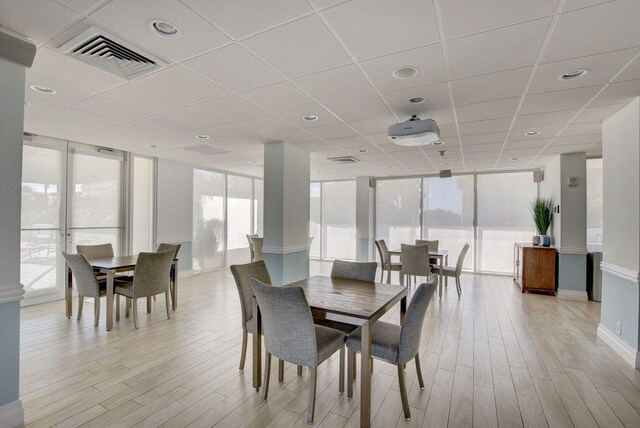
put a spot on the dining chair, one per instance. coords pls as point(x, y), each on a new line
point(86, 283)
point(257, 248)
point(385, 261)
point(249, 237)
point(455, 271)
point(151, 276)
point(242, 275)
point(162, 247)
point(433, 246)
point(291, 335)
point(415, 262)
point(397, 344)
point(358, 271)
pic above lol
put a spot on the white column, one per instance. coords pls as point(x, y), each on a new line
point(364, 219)
point(286, 212)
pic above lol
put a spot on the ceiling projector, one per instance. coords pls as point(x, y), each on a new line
point(414, 132)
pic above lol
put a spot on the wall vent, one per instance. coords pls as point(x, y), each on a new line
point(100, 49)
point(343, 160)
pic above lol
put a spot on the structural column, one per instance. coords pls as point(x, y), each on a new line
point(364, 219)
point(286, 212)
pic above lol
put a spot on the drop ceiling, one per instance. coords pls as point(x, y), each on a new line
point(245, 74)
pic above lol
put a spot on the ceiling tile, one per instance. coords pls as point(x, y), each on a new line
point(611, 26)
point(632, 72)
point(485, 126)
point(598, 114)
point(233, 67)
point(336, 84)
point(574, 148)
point(39, 107)
point(347, 142)
point(616, 93)
point(493, 86)
point(106, 137)
point(497, 50)
point(601, 68)
point(472, 150)
point(156, 125)
point(435, 97)
point(233, 108)
point(338, 130)
point(228, 132)
point(583, 129)
point(533, 122)
point(487, 110)
point(297, 117)
point(427, 60)
point(66, 94)
point(558, 100)
point(39, 20)
point(82, 6)
point(109, 108)
point(399, 25)
point(82, 117)
point(300, 47)
point(579, 4)
point(373, 126)
point(527, 144)
point(442, 116)
point(142, 98)
point(57, 128)
point(180, 83)
point(294, 136)
point(482, 139)
point(197, 34)
point(194, 117)
point(279, 97)
point(363, 108)
point(546, 132)
point(268, 124)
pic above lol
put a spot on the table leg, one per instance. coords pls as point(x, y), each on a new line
point(174, 289)
point(403, 308)
point(365, 375)
point(68, 291)
point(110, 300)
point(440, 279)
point(257, 345)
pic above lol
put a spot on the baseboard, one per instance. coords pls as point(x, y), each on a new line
point(572, 295)
point(11, 415)
point(626, 352)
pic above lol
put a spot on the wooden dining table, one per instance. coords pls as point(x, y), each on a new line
point(443, 259)
point(362, 303)
point(109, 267)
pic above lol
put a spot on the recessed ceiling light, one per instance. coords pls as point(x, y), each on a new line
point(532, 133)
point(514, 159)
point(153, 146)
point(310, 117)
point(164, 29)
point(43, 89)
point(389, 167)
point(437, 143)
point(202, 137)
point(446, 163)
point(405, 72)
point(27, 103)
point(574, 74)
point(363, 151)
point(416, 100)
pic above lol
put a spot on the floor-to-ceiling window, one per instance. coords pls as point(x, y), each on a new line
point(239, 195)
point(594, 201)
point(142, 195)
point(258, 206)
point(208, 220)
point(339, 220)
point(398, 211)
point(315, 219)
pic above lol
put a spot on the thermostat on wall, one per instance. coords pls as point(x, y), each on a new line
point(573, 181)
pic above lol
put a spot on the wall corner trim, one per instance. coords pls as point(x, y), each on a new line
point(620, 272)
point(569, 250)
point(286, 249)
point(11, 294)
point(626, 352)
point(572, 295)
point(11, 415)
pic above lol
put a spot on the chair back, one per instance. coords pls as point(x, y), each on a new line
point(249, 238)
point(289, 333)
point(101, 251)
point(86, 281)
point(460, 262)
point(152, 274)
point(383, 252)
point(163, 247)
point(433, 245)
point(242, 274)
point(365, 271)
point(415, 260)
point(257, 248)
point(414, 319)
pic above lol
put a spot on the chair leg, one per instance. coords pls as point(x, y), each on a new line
point(419, 372)
point(381, 274)
point(167, 303)
point(458, 287)
point(80, 302)
point(149, 304)
point(267, 375)
point(389, 276)
point(280, 370)
point(341, 372)
point(312, 394)
point(135, 312)
point(403, 393)
point(127, 305)
point(117, 308)
point(355, 368)
point(96, 305)
point(350, 373)
point(446, 281)
point(299, 370)
point(243, 354)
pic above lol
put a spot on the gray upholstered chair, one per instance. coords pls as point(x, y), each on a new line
point(249, 238)
point(358, 271)
point(242, 275)
point(86, 283)
point(433, 245)
point(397, 344)
point(101, 251)
point(257, 248)
point(455, 271)
point(415, 262)
point(289, 334)
point(162, 247)
point(385, 261)
point(150, 277)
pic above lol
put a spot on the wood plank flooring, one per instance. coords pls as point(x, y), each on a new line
point(493, 358)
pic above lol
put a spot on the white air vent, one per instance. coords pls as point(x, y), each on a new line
point(105, 51)
point(343, 159)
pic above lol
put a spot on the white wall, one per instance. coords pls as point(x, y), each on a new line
point(174, 202)
point(573, 201)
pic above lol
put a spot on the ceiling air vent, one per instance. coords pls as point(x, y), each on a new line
point(100, 49)
point(343, 160)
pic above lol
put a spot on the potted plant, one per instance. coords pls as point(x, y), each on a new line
point(542, 210)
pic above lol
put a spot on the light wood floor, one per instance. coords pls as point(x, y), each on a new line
point(493, 358)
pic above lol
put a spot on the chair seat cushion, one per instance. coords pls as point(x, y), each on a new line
point(124, 288)
point(385, 341)
point(395, 266)
point(446, 270)
point(328, 341)
point(336, 325)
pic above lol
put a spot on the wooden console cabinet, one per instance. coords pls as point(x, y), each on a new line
point(534, 268)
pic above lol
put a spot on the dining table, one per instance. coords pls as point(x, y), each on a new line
point(361, 303)
point(442, 256)
point(109, 267)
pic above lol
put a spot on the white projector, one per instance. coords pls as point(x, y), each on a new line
point(414, 132)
